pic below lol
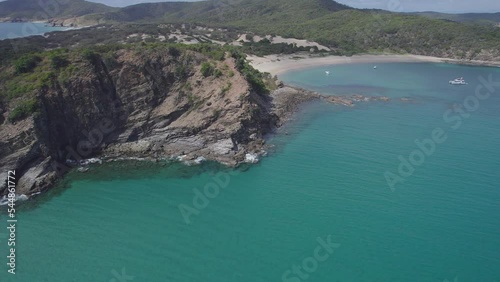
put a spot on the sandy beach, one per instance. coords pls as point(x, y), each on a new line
point(279, 64)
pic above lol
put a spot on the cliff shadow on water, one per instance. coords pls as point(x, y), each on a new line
point(130, 170)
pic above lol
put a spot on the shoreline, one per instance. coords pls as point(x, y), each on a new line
point(287, 102)
point(214, 145)
point(48, 23)
point(38, 30)
point(280, 64)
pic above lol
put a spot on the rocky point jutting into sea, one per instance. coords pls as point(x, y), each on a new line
point(155, 103)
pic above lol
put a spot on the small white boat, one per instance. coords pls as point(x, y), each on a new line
point(458, 81)
point(327, 72)
point(375, 67)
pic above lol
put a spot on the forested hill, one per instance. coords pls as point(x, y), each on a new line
point(229, 11)
point(42, 10)
point(340, 27)
point(480, 18)
point(344, 29)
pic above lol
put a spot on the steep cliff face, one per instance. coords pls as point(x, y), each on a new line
point(147, 103)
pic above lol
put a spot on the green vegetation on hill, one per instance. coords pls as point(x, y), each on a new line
point(26, 63)
point(354, 31)
point(43, 10)
point(346, 30)
point(480, 18)
point(227, 11)
point(23, 110)
point(23, 79)
point(118, 34)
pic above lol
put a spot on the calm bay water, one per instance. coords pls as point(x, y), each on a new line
point(15, 30)
point(324, 177)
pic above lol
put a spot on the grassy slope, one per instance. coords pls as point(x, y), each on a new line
point(31, 9)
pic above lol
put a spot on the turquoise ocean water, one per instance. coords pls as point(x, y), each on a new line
point(324, 177)
point(15, 30)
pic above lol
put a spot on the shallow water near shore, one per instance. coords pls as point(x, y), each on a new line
point(16, 30)
point(324, 177)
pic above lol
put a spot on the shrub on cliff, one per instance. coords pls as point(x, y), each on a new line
point(253, 76)
point(207, 69)
point(174, 52)
point(58, 61)
point(23, 110)
point(90, 56)
point(26, 63)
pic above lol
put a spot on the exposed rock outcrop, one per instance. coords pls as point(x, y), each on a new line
point(156, 105)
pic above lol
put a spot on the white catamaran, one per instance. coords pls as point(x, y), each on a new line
point(458, 81)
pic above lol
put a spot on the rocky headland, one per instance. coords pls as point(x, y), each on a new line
point(147, 103)
point(158, 103)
